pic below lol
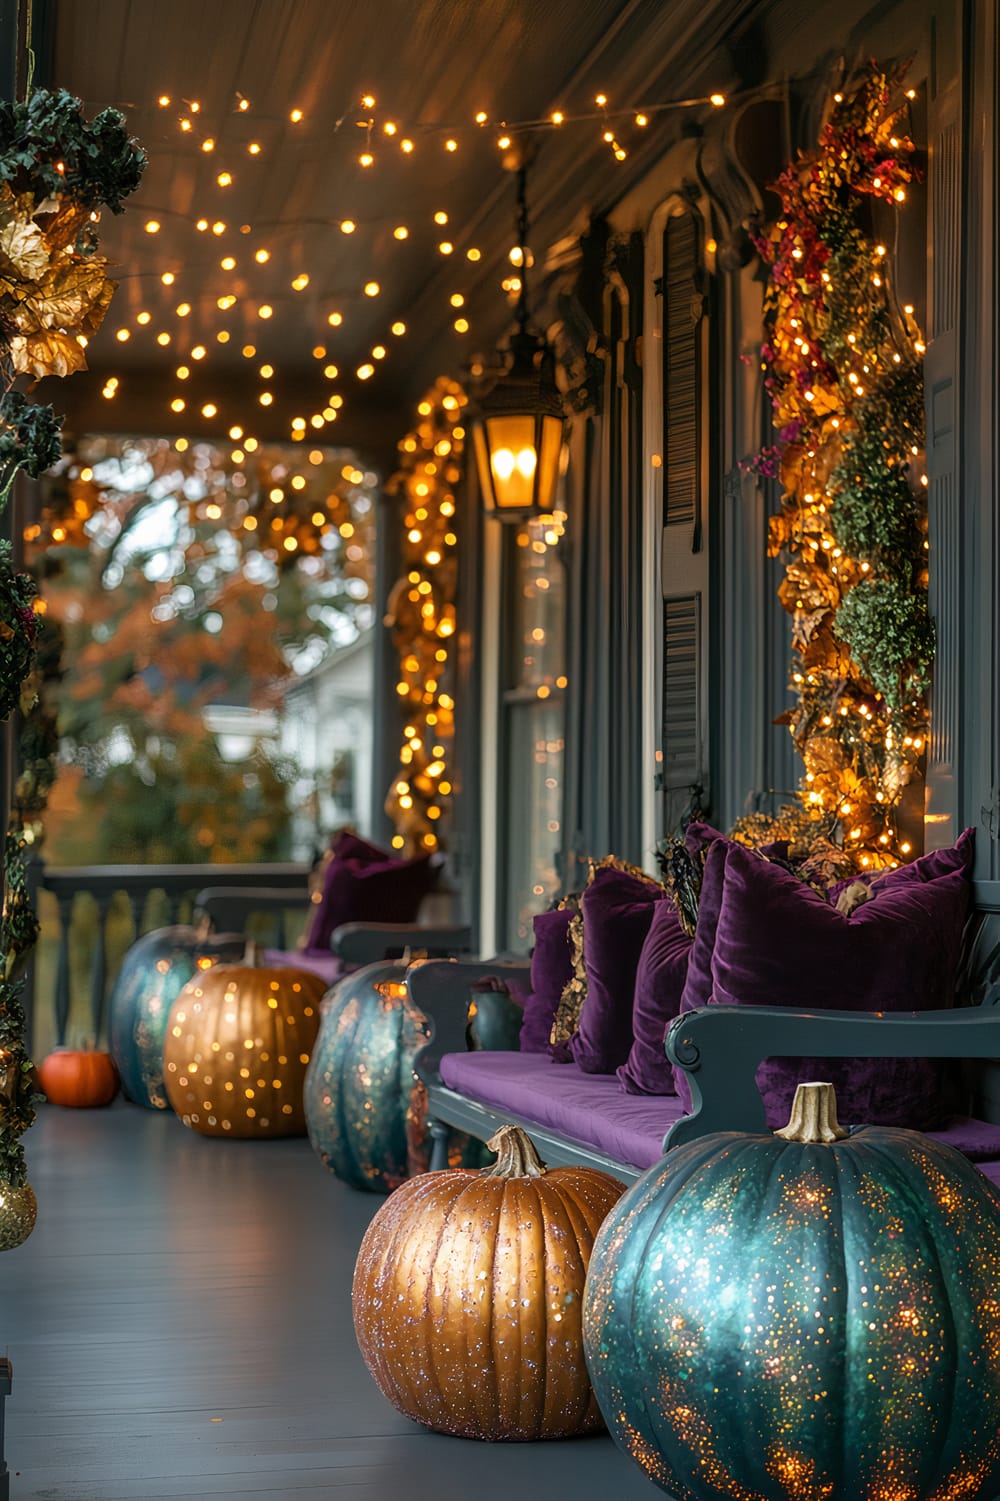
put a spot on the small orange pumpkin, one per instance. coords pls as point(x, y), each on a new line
point(468, 1295)
point(83, 1080)
point(237, 1045)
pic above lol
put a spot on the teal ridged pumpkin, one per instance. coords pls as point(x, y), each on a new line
point(153, 973)
point(803, 1320)
point(365, 1109)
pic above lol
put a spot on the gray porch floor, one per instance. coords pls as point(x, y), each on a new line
point(179, 1325)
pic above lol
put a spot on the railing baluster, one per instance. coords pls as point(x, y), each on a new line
point(62, 973)
point(137, 906)
point(99, 970)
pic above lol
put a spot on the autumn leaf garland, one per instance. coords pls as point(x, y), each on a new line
point(843, 370)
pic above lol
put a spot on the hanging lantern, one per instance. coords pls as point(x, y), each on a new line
point(518, 433)
point(518, 425)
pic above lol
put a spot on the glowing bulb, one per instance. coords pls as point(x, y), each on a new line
point(504, 143)
point(601, 100)
point(177, 405)
point(208, 144)
point(163, 101)
point(168, 278)
point(152, 226)
point(209, 409)
point(642, 120)
point(366, 159)
point(440, 217)
point(262, 256)
point(389, 128)
point(401, 232)
point(163, 339)
point(300, 282)
point(218, 228)
point(398, 329)
point(330, 372)
point(717, 99)
point(225, 179)
point(557, 117)
point(367, 101)
point(446, 247)
point(228, 263)
point(451, 144)
point(406, 146)
point(123, 335)
point(265, 310)
point(198, 352)
point(235, 433)
point(295, 116)
point(201, 225)
point(461, 325)
point(472, 254)
point(265, 398)
point(372, 289)
point(347, 226)
point(182, 372)
point(254, 148)
point(183, 309)
point(365, 372)
point(248, 351)
point(378, 353)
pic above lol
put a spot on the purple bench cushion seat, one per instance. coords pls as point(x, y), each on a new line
point(591, 1108)
point(588, 1108)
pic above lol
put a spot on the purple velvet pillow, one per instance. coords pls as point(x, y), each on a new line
point(778, 943)
point(551, 972)
point(345, 845)
point(659, 982)
point(388, 891)
point(617, 911)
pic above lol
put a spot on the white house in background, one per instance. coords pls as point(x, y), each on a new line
point(326, 727)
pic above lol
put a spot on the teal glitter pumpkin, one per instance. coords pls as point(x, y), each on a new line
point(365, 1109)
point(803, 1319)
point(153, 973)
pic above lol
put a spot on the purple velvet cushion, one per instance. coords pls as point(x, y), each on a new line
point(659, 983)
point(617, 910)
point(551, 972)
point(778, 943)
point(978, 1140)
point(588, 1108)
point(326, 965)
point(367, 891)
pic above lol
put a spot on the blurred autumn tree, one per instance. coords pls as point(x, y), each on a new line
point(185, 581)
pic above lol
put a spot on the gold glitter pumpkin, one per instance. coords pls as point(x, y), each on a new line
point(18, 1212)
point(238, 1042)
point(468, 1294)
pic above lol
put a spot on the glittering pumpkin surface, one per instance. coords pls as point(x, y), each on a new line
point(769, 1321)
point(237, 1045)
point(153, 973)
point(467, 1301)
point(365, 1109)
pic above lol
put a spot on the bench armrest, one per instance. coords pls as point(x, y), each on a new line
point(441, 990)
point(229, 907)
point(721, 1047)
point(367, 942)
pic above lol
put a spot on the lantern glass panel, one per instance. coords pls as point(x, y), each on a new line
point(513, 461)
point(551, 448)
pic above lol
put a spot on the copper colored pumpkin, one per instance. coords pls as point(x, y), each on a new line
point(468, 1294)
point(82, 1080)
point(238, 1042)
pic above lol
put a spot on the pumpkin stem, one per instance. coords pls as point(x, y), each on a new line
point(204, 929)
point(814, 1115)
point(516, 1155)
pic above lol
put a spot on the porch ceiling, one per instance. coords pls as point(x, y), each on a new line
point(429, 63)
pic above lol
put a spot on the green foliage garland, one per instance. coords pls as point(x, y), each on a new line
point(56, 170)
point(844, 373)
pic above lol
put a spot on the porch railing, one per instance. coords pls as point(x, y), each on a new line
point(120, 889)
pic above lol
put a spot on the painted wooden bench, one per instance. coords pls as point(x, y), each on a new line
point(719, 1047)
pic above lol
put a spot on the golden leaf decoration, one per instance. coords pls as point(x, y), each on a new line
point(72, 296)
point(48, 352)
point(24, 254)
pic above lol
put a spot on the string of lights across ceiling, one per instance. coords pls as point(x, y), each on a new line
point(244, 250)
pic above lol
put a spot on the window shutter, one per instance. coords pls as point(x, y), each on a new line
point(684, 564)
